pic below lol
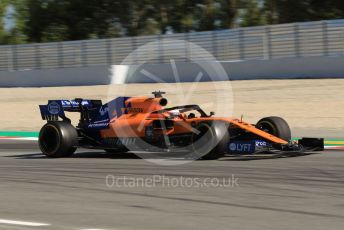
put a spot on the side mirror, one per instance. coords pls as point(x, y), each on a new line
point(212, 113)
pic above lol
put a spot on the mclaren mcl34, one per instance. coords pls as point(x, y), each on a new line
point(146, 124)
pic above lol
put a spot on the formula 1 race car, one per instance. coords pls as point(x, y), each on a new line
point(144, 124)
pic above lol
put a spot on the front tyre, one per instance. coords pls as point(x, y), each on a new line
point(58, 139)
point(210, 140)
point(276, 126)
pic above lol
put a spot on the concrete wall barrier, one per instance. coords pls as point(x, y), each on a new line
point(99, 75)
point(287, 68)
point(291, 68)
point(310, 67)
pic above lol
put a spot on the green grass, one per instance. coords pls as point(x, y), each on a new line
point(18, 134)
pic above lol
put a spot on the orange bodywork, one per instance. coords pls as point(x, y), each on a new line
point(139, 114)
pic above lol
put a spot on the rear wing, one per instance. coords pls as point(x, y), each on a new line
point(56, 108)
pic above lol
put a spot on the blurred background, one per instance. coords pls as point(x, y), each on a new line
point(85, 44)
point(32, 21)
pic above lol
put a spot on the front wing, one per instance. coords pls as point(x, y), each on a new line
point(242, 147)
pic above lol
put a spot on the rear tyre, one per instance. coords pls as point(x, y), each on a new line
point(211, 140)
point(58, 139)
point(276, 126)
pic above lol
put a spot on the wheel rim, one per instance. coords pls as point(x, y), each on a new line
point(49, 139)
point(202, 143)
point(267, 127)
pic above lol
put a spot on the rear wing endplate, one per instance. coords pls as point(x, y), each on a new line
point(57, 108)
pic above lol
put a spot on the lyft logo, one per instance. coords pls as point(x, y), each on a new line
point(240, 147)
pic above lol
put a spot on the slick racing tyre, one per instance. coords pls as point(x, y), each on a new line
point(211, 140)
point(58, 139)
point(276, 126)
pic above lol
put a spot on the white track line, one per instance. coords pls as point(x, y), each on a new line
point(27, 138)
point(20, 138)
point(22, 223)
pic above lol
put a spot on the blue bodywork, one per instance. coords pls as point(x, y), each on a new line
point(247, 147)
point(98, 115)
